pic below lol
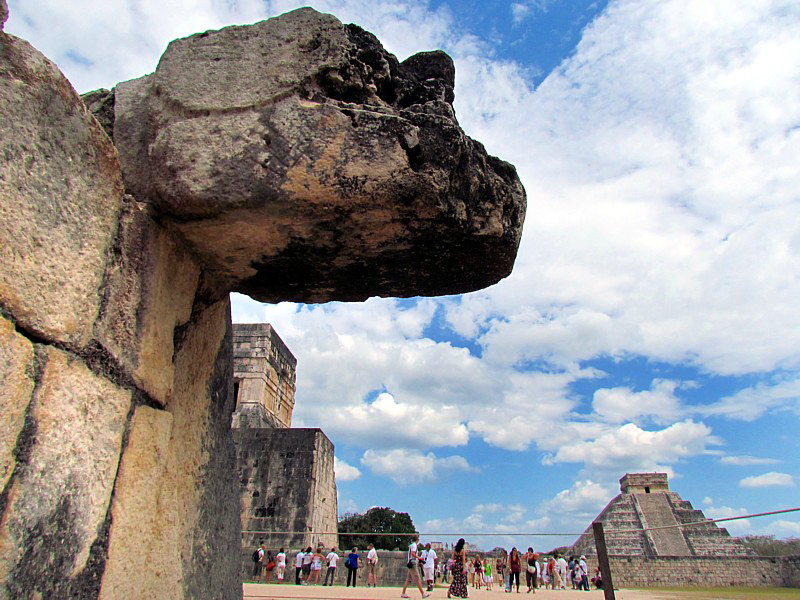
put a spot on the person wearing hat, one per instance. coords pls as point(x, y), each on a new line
point(584, 571)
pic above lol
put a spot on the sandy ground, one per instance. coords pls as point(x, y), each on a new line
point(255, 591)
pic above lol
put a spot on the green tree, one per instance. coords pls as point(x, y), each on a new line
point(375, 520)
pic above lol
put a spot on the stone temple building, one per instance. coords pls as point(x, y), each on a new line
point(264, 374)
point(286, 477)
point(645, 501)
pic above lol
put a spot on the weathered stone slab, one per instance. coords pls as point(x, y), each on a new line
point(16, 386)
point(150, 286)
point(304, 162)
point(178, 525)
point(60, 191)
point(201, 467)
point(52, 538)
point(292, 160)
point(143, 538)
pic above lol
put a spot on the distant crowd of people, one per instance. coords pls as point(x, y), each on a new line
point(308, 565)
point(424, 569)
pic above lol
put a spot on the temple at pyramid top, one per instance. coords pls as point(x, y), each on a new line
point(645, 520)
point(643, 483)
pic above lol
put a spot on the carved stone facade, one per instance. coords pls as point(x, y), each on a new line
point(264, 374)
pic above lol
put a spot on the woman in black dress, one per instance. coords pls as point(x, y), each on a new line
point(514, 567)
point(458, 588)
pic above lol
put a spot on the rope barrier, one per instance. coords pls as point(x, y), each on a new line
point(524, 533)
point(764, 514)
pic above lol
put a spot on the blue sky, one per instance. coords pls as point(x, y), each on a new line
point(651, 321)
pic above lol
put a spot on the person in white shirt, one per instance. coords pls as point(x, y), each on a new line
point(332, 559)
point(280, 565)
point(413, 569)
point(372, 566)
point(298, 566)
point(561, 565)
point(583, 569)
point(430, 564)
point(259, 564)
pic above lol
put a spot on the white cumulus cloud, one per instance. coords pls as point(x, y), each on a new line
point(407, 467)
point(746, 461)
point(771, 479)
point(344, 471)
point(621, 404)
point(630, 448)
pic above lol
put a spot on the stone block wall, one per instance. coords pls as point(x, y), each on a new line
point(286, 484)
point(790, 571)
point(264, 373)
point(115, 394)
point(117, 259)
point(748, 571)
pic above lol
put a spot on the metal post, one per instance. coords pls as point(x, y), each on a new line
point(602, 557)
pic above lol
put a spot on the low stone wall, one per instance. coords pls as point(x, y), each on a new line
point(750, 571)
point(790, 571)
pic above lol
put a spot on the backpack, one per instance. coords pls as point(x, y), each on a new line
point(255, 556)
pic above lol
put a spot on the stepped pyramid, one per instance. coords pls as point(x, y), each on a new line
point(645, 500)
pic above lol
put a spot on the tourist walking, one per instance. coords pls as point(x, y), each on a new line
point(583, 570)
point(530, 570)
point(478, 580)
point(546, 573)
point(316, 566)
point(280, 565)
point(298, 566)
point(269, 564)
point(514, 567)
point(500, 567)
point(487, 573)
point(372, 566)
point(352, 566)
point(428, 568)
point(448, 569)
point(258, 561)
point(332, 559)
point(458, 588)
point(412, 568)
point(307, 557)
point(561, 566)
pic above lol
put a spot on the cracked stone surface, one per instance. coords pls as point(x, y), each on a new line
point(304, 162)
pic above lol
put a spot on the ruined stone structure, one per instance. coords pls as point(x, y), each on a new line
point(294, 159)
point(697, 555)
point(264, 375)
point(287, 483)
point(645, 502)
point(703, 571)
point(286, 476)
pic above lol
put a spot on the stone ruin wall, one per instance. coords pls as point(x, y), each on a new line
point(287, 484)
point(706, 571)
point(700, 555)
point(293, 159)
point(264, 377)
point(286, 476)
point(647, 502)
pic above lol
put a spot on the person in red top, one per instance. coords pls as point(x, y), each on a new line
point(514, 567)
point(500, 567)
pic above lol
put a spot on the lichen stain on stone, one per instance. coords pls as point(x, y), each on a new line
point(46, 567)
